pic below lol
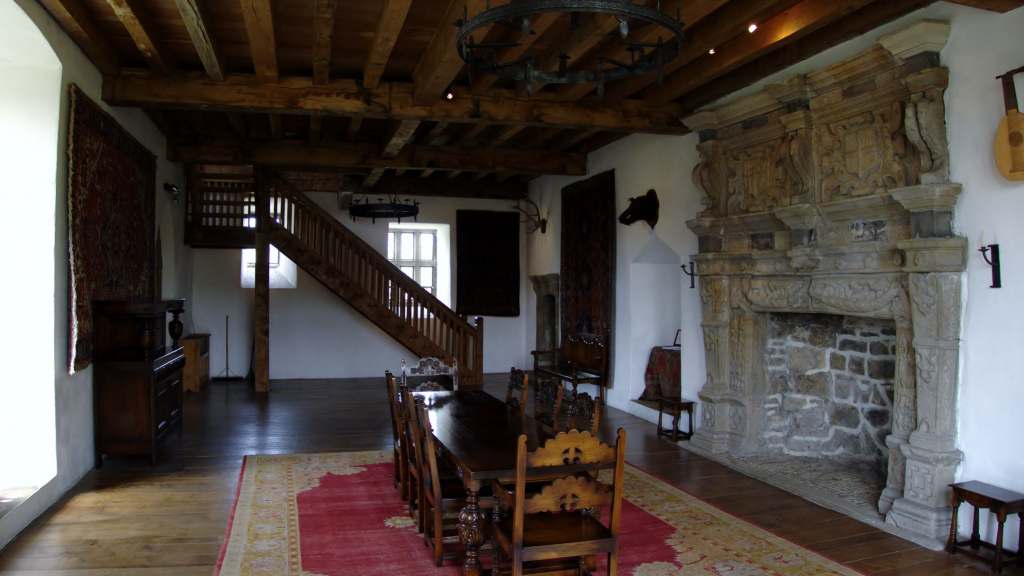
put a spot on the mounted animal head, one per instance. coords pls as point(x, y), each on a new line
point(642, 208)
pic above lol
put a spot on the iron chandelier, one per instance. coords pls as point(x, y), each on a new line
point(644, 56)
point(384, 209)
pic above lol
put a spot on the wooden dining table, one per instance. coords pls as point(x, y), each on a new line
point(479, 433)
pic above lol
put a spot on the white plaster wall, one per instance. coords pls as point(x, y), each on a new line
point(315, 334)
point(74, 393)
point(651, 302)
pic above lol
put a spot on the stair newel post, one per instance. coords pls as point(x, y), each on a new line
point(478, 352)
point(261, 301)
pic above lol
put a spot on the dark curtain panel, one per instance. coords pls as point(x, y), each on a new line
point(487, 256)
point(588, 258)
point(111, 208)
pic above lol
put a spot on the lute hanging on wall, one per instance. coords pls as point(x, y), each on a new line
point(1009, 145)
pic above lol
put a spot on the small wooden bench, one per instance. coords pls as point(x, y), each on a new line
point(674, 407)
point(582, 359)
point(1002, 503)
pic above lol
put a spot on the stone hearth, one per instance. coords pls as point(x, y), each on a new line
point(830, 386)
point(830, 194)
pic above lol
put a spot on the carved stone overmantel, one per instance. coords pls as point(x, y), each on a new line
point(830, 193)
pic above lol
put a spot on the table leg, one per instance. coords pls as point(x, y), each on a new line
point(975, 536)
point(470, 531)
point(951, 544)
point(997, 563)
point(1020, 539)
point(495, 522)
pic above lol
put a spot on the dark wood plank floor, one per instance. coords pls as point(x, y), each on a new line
point(128, 518)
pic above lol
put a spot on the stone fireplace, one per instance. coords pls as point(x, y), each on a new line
point(547, 293)
point(830, 275)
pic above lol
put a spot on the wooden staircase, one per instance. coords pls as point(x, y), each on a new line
point(226, 210)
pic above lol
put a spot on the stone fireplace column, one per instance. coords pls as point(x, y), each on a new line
point(717, 403)
point(935, 261)
point(904, 412)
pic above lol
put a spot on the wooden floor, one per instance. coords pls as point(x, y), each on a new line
point(128, 518)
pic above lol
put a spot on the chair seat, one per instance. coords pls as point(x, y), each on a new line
point(548, 529)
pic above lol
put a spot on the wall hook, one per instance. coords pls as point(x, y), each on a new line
point(692, 272)
point(991, 255)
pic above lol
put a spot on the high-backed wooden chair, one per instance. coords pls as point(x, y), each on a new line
point(518, 392)
point(582, 413)
point(547, 401)
point(444, 496)
point(430, 375)
point(582, 359)
point(556, 527)
point(397, 426)
point(413, 439)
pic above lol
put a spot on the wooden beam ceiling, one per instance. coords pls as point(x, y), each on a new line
point(729, 21)
point(136, 22)
point(801, 19)
point(392, 100)
point(991, 5)
point(441, 63)
point(368, 156)
point(851, 26)
point(194, 17)
point(400, 138)
point(443, 187)
point(389, 25)
point(588, 34)
point(259, 26)
point(79, 24)
point(323, 40)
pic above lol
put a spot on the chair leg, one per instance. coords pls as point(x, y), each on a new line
point(613, 563)
point(421, 520)
point(517, 562)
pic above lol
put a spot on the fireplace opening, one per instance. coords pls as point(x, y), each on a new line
point(827, 405)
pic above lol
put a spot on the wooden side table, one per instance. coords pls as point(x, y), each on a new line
point(1002, 503)
point(675, 407)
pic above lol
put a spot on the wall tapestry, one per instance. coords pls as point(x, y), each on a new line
point(111, 216)
point(487, 252)
point(588, 258)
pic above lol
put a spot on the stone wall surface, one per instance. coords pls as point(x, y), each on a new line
point(829, 386)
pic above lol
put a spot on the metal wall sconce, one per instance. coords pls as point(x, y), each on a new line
point(173, 191)
point(691, 273)
point(990, 253)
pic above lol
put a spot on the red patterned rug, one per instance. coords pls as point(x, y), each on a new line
point(338, 514)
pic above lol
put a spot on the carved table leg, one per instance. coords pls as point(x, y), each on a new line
point(951, 543)
point(997, 563)
point(470, 531)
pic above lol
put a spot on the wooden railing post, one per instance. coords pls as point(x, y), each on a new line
point(261, 312)
point(478, 352)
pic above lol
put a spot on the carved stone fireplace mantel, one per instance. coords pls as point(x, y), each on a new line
point(830, 193)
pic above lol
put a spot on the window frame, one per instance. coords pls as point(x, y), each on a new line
point(416, 263)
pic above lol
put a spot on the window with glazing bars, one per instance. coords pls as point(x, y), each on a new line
point(414, 251)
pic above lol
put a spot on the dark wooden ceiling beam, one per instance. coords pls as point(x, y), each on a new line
point(136, 22)
point(442, 187)
point(373, 177)
point(80, 26)
point(847, 28)
point(727, 22)
point(392, 18)
point(323, 39)
point(441, 63)
point(991, 5)
point(390, 100)
point(772, 34)
point(691, 12)
point(506, 134)
point(412, 157)
point(316, 127)
point(276, 131)
point(355, 124)
point(400, 138)
point(259, 26)
point(193, 15)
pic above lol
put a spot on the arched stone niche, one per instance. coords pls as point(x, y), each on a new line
point(830, 193)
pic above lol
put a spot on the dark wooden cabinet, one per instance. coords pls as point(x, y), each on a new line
point(137, 377)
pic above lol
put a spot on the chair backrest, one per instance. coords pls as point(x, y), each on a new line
point(575, 492)
point(547, 401)
point(414, 433)
point(430, 469)
point(431, 374)
point(393, 406)
point(518, 392)
point(585, 352)
point(582, 413)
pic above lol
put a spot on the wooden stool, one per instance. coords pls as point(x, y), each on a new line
point(675, 407)
point(1002, 503)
